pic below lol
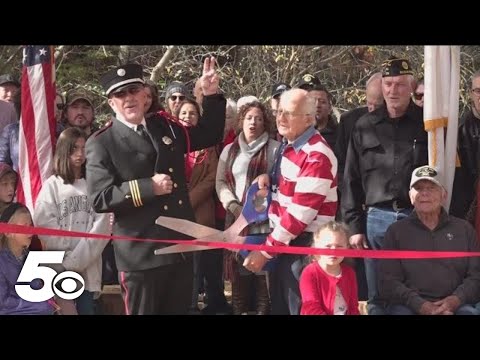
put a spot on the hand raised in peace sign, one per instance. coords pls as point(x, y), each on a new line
point(209, 79)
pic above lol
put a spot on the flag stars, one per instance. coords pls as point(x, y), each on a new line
point(43, 52)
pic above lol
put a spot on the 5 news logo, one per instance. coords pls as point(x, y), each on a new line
point(68, 285)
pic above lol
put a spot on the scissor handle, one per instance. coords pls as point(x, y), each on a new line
point(257, 240)
point(250, 212)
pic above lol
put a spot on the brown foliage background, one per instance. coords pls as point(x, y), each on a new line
point(245, 70)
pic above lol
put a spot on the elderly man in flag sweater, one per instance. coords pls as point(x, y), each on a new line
point(304, 185)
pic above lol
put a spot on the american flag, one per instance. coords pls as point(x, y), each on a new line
point(37, 122)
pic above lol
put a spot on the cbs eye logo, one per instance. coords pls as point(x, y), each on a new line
point(68, 285)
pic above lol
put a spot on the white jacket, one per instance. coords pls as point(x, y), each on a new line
point(67, 207)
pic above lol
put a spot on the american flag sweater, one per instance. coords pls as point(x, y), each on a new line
point(306, 197)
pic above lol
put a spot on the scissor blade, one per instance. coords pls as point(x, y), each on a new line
point(181, 248)
point(186, 227)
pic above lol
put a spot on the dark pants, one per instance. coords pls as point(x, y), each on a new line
point(211, 265)
point(165, 290)
point(361, 279)
point(85, 304)
point(197, 279)
point(396, 309)
point(378, 221)
point(285, 295)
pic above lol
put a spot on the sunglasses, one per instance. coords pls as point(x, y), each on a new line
point(418, 96)
point(132, 90)
point(179, 97)
point(59, 106)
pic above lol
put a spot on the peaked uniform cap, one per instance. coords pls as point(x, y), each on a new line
point(308, 82)
point(120, 77)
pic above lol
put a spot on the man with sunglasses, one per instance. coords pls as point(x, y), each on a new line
point(418, 93)
point(135, 169)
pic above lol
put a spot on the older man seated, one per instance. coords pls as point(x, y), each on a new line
point(430, 286)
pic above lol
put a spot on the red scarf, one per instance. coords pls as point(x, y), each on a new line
point(220, 212)
point(258, 165)
point(194, 158)
point(190, 160)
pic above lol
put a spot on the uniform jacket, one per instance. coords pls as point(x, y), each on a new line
point(202, 188)
point(120, 164)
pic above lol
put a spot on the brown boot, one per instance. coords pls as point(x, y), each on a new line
point(240, 294)
point(263, 296)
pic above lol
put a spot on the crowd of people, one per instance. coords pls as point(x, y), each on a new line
point(361, 181)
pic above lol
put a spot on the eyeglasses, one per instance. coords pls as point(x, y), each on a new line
point(476, 91)
point(59, 106)
point(179, 97)
point(132, 90)
point(419, 96)
point(288, 114)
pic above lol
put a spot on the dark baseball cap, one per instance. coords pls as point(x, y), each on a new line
point(396, 67)
point(280, 88)
point(7, 78)
point(78, 94)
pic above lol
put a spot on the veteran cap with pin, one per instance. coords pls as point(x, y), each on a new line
point(396, 67)
point(425, 172)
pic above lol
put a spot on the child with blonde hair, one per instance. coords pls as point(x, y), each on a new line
point(327, 286)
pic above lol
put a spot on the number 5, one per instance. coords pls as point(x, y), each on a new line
point(31, 270)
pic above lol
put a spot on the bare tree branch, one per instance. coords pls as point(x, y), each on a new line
point(161, 64)
point(124, 54)
point(13, 55)
point(59, 52)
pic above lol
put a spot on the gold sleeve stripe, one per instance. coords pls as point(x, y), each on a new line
point(137, 192)
point(132, 190)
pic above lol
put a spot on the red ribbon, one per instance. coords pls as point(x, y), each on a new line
point(353, 253)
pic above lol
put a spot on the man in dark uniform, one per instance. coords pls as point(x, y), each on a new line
point(386, 145)
point(135, 169)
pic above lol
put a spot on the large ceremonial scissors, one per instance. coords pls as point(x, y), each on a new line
point(254, 211)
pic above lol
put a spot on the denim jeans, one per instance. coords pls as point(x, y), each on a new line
point(85, 303)
point(378, 220)
point(396, 309)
